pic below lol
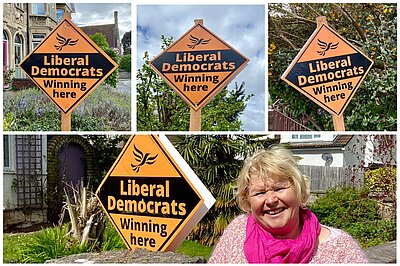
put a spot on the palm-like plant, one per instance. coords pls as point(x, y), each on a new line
point(217, 160)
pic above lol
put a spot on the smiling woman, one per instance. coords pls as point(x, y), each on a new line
point(277, 227)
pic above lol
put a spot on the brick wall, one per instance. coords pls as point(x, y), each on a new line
point(23, 83)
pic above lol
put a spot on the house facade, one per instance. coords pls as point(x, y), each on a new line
point(25, 25)
point(110, 31)
point(36, 169)
point(333, 160)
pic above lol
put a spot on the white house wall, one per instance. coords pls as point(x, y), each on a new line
point(314, 157)
point(9, 196)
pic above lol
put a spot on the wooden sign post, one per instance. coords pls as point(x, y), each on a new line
point(198, 66)
point(195, 120)
point(338, 120)
point(328, 70)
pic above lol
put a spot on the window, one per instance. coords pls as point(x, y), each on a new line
point(18, 55)
point(36, 39)
point(305, 137)
point(60, 14)
point(6, 151)
point(38, 9)
point(5, 52)
point(53, 13)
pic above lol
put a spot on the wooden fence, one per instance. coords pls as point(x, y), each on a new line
point(324, 178)
point(278, 121)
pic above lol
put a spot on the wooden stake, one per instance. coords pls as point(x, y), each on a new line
point(66, 121)
point(198, 21)
point(195, 120)
point(338, 121)
point(195, 116)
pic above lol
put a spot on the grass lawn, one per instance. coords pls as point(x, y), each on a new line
point(12, 246)
point(193, 249)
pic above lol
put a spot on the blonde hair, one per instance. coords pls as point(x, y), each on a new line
point(276, 163)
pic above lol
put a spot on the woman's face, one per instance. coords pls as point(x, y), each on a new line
point(275, 207)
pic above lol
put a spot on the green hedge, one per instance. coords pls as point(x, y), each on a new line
point(351, 210)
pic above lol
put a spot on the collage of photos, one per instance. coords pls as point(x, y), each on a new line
point(199, 133)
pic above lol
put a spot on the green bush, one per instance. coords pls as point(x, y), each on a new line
point(31, 110)
point(51, 243)
point(112, 240)
point(381, 180)
point(351, 210)
point(125, 63)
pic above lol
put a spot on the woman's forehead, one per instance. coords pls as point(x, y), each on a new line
point(268, 181)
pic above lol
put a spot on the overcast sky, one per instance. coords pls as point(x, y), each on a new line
point(99, 14)
point(243, 27)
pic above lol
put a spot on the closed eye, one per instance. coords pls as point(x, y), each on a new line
point(257, 193)
point(281, 189)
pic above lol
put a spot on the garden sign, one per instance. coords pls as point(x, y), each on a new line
point(198, 65)
point(328, 69)
point(67, 66)
point(152, 196)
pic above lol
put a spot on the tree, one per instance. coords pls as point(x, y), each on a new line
point(126, 63)
point(106, 150)
point(370, 27)
point(126, 42)
point(160, 108)
point(101, 41)
point(217, 160)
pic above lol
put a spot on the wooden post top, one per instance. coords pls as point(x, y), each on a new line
point(198, 21)
point(321, 20)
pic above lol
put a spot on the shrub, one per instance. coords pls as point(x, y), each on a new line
point(56, 242)
point(125, 63)
point(51, 243)
point(381, 180)
point(31, 110)
point(351, 210)
point(111, 108)
point(112, 240)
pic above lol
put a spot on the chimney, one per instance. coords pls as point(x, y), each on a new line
point(116, 19)
point(116, 29)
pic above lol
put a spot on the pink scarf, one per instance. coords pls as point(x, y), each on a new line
point(261, 247)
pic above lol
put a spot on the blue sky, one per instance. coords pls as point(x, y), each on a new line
point(243, 27)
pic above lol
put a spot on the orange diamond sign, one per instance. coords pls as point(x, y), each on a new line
point(198, 65)
point(152, 196)
point(67, 65)
point(328, 70)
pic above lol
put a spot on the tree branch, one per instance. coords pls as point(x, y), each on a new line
point(278, 33)
point(345, 13)
point(293, 15)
